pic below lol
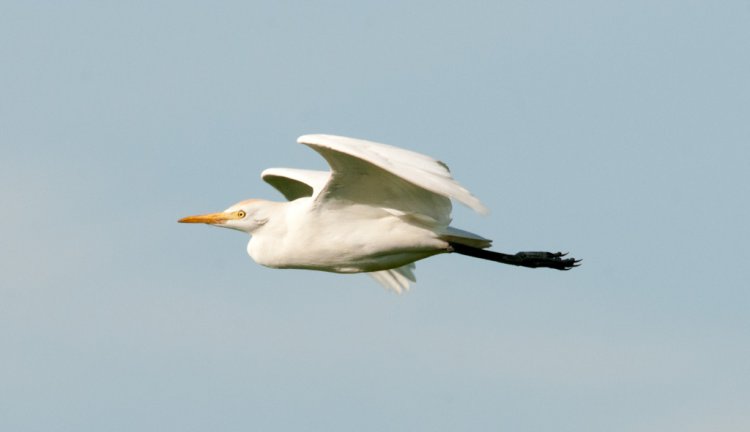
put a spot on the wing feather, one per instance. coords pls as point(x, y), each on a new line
point(379, 174)
point(397, 280)
point(296, 183)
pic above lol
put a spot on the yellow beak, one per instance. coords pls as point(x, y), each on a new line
point(211, 218)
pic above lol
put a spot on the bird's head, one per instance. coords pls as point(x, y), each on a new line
point(247, 216)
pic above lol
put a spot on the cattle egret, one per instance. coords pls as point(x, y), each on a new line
point(378, 210)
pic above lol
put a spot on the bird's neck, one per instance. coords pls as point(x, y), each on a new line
point(268, 217)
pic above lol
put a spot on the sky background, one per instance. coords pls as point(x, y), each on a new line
point(618, 131)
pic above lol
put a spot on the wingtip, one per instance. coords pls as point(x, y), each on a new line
point(265, 173)
point(312, 138)
point(474, 204)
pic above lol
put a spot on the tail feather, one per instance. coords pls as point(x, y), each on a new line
point(458, 236)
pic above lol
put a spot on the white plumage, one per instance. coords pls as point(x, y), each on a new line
point(378, 210)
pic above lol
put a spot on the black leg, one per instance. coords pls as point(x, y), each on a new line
point(523, 259)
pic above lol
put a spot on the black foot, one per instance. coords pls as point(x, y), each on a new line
point(546, 259)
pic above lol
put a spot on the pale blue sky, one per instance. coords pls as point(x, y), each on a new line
point(617, 130)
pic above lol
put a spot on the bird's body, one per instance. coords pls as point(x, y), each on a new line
point(355, 238)
point(379, 209)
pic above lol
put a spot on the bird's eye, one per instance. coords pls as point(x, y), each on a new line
point(241, 213)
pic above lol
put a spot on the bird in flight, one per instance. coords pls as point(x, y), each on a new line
point(378, 210)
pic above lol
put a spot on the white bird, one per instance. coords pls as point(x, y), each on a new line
point(378, 210)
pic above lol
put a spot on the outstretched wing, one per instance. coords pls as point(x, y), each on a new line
point(378, 174)
point(296, 183)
